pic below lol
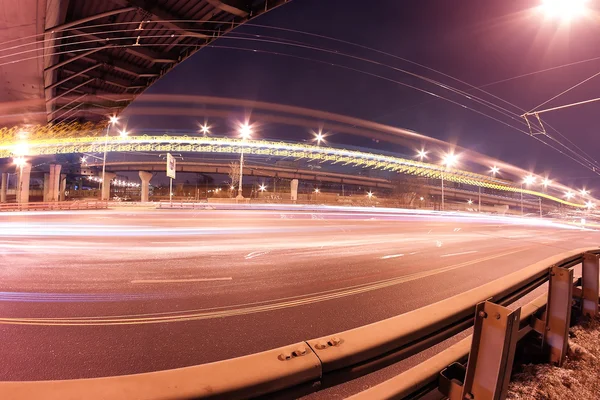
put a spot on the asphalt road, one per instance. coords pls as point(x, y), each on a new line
point(97, 293)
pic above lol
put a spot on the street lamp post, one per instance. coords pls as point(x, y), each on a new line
point(521, 198)
point(449, 160)
point(112, 121)
point(527, 181)
point(245, 133)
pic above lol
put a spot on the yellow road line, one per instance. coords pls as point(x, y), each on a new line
point(143, 281)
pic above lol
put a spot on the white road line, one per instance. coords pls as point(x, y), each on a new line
point(180, 280)
point(459, 254)
point(414, 252)
point(392, 256)
point(255, 254)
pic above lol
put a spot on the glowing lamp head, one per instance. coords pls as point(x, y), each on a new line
point(470, 201)
point(232, 187)
point(528, 180)
point(262, 188)
point(123, 133)
point(590, 205)
point(494, 170)
point(565, 10)
point(19, 161)
point(584, 192)
point(316, 190)
point(205, 129)
point(422, 154)
point(245, 131)
point(450, 160)
point(569, 195)
point(319, 137)
point(546, 182)
point(113, 119)
point(369, 194)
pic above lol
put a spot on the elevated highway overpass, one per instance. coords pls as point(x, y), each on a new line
point(307, 175)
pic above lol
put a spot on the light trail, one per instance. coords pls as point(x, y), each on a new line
point(269, 148)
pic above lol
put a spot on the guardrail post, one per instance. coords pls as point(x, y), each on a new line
point(558, 314)
point(590, 282)
point(491, 358)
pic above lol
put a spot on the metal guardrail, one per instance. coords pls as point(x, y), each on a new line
point(57, 205)
point(315, 364)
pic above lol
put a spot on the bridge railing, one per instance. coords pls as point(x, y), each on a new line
point(55, 205)
point(314, 364)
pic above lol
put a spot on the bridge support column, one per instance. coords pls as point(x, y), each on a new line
point(62, 187)
point(4, 187)
point(145, 190)
point(294, 190)
point(23, 183)
point(46, 187)
point(108, 176)
point(53, 182)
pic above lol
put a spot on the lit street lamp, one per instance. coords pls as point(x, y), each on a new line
point(528, 180)
point(369, 194)
point(113, 120)
point(421, 154)
point(546, 182)
point(448, 161)
point(123, 133)
point(319, 137)
point(262, 188)
point(494, 170)
point(470, 201)
point(566, 10)
point(569, 195)
point(584, 192)
point(205, 129)
point(245, 133)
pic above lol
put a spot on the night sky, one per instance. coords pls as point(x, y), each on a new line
point(479, 42)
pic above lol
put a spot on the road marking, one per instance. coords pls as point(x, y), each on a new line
point(414, 252)
point(255, 254)
point(180, 280)
point(459, 254)
point(392, 256)
point(244, 309)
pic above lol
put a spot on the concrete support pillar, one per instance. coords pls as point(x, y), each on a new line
point(23, 183)
point(62, 187)
point(54, 182)
point(108, 176)
point(145, 190)
point(3, 187)
point(294, 189)
point(46, 187)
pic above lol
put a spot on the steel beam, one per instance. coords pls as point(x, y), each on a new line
point(74, 89)
point(75, 74)
point(137, 51)
point(164, 17)
point(71, 24)
point(231, 7)
point(75, 58)
point(121, 66)
point(124, 84)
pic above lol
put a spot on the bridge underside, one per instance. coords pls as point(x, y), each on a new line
point(84, 59)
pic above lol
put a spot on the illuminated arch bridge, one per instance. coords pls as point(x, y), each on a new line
point(144, 143)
